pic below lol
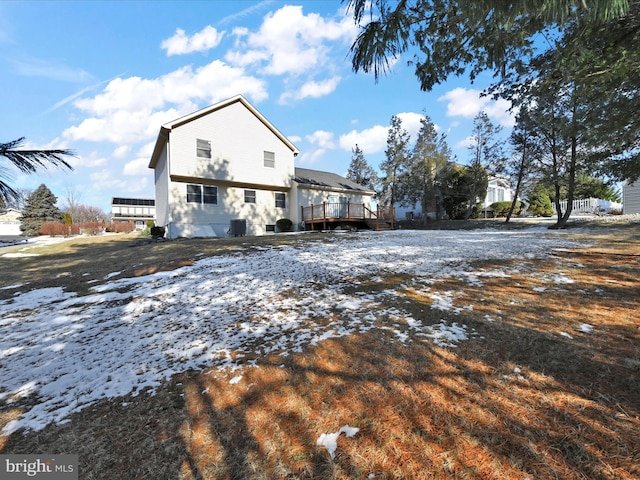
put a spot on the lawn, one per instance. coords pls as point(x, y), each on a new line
point(475, 353)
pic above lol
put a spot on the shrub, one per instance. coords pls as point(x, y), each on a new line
point(540, 203)
point(500, 209)
point(90, 228)
point(284, 225)
point(121, 227)
point(56, 229)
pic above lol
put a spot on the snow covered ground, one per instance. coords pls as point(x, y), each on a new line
point(64, 352)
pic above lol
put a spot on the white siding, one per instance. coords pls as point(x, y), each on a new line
point(192, 219)
point(161, 174)
point(238, 142)
point(631, 198)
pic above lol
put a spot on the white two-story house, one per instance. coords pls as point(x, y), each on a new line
point(226, 169)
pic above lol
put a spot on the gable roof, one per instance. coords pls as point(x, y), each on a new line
point(328, 181)
point(163, 135)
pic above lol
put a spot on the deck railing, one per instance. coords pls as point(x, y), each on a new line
point(345, 211)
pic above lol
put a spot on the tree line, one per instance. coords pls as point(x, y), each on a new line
point(571, 70)
point(424, 174)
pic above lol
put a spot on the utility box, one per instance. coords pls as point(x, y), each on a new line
point(238, 227)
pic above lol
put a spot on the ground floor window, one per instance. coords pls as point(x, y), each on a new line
point(270, 228)
point(249, 196)
point(281, 200)
point(202, 194)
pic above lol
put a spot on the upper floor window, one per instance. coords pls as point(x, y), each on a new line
point(202, 194)
point(203, 148)
point(269, 159)
point(281, 200)
point(249, 196)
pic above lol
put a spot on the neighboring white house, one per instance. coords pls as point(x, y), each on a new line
point(10, 222)
point(136, 210)
point(631, 198)
point(498, 190)
point(227, 166)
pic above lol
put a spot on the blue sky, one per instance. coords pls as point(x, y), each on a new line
point(100, 77)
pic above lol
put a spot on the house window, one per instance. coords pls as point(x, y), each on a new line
point(202, 194)
point(281, 200)
point(249, 196)
point(194, 193)
point(270, 228)
point(210, 195)
point(269, 159)
point(203, 148)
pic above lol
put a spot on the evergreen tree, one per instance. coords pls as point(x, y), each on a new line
point(393, 168)
point(487, 153)
point(453, 183)
point(361, 172)
point(525, 152)
point(539, 202)
point(40, 208)
point(450, 37)
point(429, 157)
point(487, 148)
point(588, 186)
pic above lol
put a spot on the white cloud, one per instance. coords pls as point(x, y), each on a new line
point(121, 151)
point(463, 102)
point(499, 111)
point(466, 142)
point(202, 41)
point(136, 168)
point(411, 122)
point(131, 109)
point(290, 42)
point(312, 89)
point(147, 149)
point(309, 158)
point(92, 160)
point(468, 102)
point(370, 140)
point(115, 185)
point(322, 138)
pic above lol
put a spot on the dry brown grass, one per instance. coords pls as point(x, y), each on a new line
point(519, 399)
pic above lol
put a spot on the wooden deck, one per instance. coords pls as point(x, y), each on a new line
point(356, 215)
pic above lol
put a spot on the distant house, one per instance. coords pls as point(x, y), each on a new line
point(136, 210)
point(10, 222)
point(498, 190)
point(631, 198)
point(226, 170)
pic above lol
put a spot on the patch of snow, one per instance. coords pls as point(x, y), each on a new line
point(565, 334)
point(235, 379)
point(562, 279)
point(442, 301)
point(445, 335)
point(586, 328)
point(330, 440)
point(66, 352)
